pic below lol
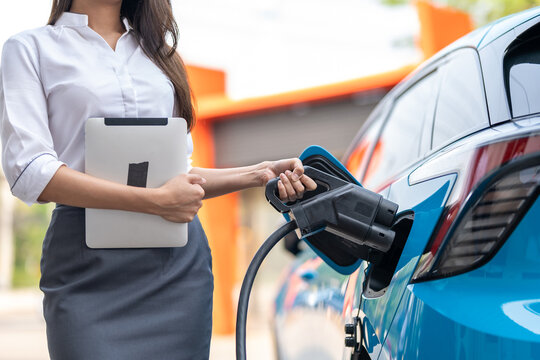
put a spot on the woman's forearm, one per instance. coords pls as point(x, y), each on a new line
point(71, 187)
point(224, 181)
point(178, 199)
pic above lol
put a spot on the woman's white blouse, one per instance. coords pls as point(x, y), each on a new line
point(55, 77)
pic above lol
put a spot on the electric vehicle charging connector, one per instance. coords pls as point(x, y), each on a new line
point(355, 217)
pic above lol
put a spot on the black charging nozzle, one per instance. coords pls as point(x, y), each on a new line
point(343, 221)
point(350, 212)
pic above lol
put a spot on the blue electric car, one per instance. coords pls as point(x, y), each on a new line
point(458, 144)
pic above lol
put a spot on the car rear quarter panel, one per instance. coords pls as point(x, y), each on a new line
point(492, 312)
point(427, 199)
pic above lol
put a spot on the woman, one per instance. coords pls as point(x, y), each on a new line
point(109, 58)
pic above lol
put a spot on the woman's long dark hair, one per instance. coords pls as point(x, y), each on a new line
point(152, 20)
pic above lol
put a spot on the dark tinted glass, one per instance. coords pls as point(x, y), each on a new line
point(461, 106)
point(523, 78)
point(398, 145)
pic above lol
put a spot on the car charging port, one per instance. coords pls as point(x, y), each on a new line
point(380, 274)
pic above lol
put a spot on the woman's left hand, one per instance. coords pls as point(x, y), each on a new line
point(292, 181)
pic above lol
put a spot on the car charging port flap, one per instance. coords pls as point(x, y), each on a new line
point(343, 222)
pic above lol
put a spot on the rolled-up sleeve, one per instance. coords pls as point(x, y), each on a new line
point(28, 157)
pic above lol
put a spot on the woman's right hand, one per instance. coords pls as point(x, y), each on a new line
point(180, 198)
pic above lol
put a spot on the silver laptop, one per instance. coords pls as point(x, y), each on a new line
point(143, 152)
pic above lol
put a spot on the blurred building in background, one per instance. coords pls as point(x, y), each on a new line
point(233, 133)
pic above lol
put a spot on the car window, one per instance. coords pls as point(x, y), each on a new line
point(461, 104)
point(399, 143)
point(358, 158)
point(522, 71)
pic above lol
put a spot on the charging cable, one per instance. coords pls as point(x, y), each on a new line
point(247, 284)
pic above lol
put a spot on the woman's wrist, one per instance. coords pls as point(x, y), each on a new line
point(151, 200)
point(261, 173)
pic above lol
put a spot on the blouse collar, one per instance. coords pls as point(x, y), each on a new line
point(75, 19)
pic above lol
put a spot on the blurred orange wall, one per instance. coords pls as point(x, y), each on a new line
point(440, 26)
point(218, 215)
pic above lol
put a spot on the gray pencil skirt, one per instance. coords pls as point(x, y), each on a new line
point(124, 304)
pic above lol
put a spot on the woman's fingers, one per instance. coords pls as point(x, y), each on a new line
point(282, 192)
point(308, 182)
point(296, 184)
point(291, 193)
point(291, 190)
point(298, 170)
point(292, 182)
point(298, 175)
point(195, 179)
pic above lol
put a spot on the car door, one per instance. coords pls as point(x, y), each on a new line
point(459, 109)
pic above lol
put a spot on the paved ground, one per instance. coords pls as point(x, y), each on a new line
point(22, 331)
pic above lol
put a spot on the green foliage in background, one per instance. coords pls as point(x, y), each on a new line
point(483, 11)
point(395, 2)
point(29, 226)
